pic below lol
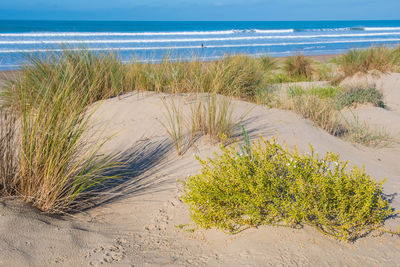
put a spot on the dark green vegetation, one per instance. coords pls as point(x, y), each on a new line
point(359, 95)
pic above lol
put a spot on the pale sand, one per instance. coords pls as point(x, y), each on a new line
point(140, 228)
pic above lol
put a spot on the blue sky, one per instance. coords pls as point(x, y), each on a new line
point(200, 9)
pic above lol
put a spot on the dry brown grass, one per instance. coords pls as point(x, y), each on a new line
point(298, 66)
point(9, 151)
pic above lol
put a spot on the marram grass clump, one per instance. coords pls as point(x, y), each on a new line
point(268, 184)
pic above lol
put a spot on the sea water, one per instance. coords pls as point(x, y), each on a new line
point(205, 40)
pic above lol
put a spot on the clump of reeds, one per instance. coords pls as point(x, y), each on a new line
point(56, 166)
point(175, 124)
point(298, 66)
point(379, 58)
point(212, 115)
point(206, 114)
point(321, 111)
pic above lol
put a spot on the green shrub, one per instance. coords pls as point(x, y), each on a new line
point(271, 185)
point(325, 92)
point(360, 95)
point(320, 92)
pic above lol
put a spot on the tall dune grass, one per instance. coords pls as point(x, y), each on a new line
point(56, 165)
point(379, 58)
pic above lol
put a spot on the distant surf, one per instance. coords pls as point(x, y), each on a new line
point(151, 41)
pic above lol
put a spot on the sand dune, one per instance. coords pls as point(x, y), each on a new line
point(149, 225)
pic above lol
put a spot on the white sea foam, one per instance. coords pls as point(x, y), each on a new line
point(382, 29)
point(199, 47)
point(68, 34)
point(122, 41)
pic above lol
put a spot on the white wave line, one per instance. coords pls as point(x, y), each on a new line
point(194, 46)
point(382, 28)
point(66, 41)
point(61, 34)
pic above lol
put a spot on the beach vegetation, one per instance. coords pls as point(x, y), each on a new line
point(316, 104)
point(360, 95)
point(268, 64)
point(360, 132)
point(9, 151)
point(205, 114)
point(378, 58)
point(58, 170)
point(271, 185)
point(298, 66)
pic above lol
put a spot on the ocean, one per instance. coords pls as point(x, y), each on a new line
point(207, 40)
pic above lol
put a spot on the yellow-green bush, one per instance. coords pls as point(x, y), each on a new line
point(271, 185)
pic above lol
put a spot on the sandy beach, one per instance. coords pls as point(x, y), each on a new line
point(149, 225)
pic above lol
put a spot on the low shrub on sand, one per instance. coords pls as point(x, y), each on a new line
point(272, 185)
point(360, 95)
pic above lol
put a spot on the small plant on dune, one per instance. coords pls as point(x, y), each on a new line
point(375, 58)
point(206, 115)
point(322, 111)
point(360, 95)
point(328, 92)
point(175, 124)
point(212, 115)
point(268, 96)
point(275, 186)
point(298, 66)
point(362, 133)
